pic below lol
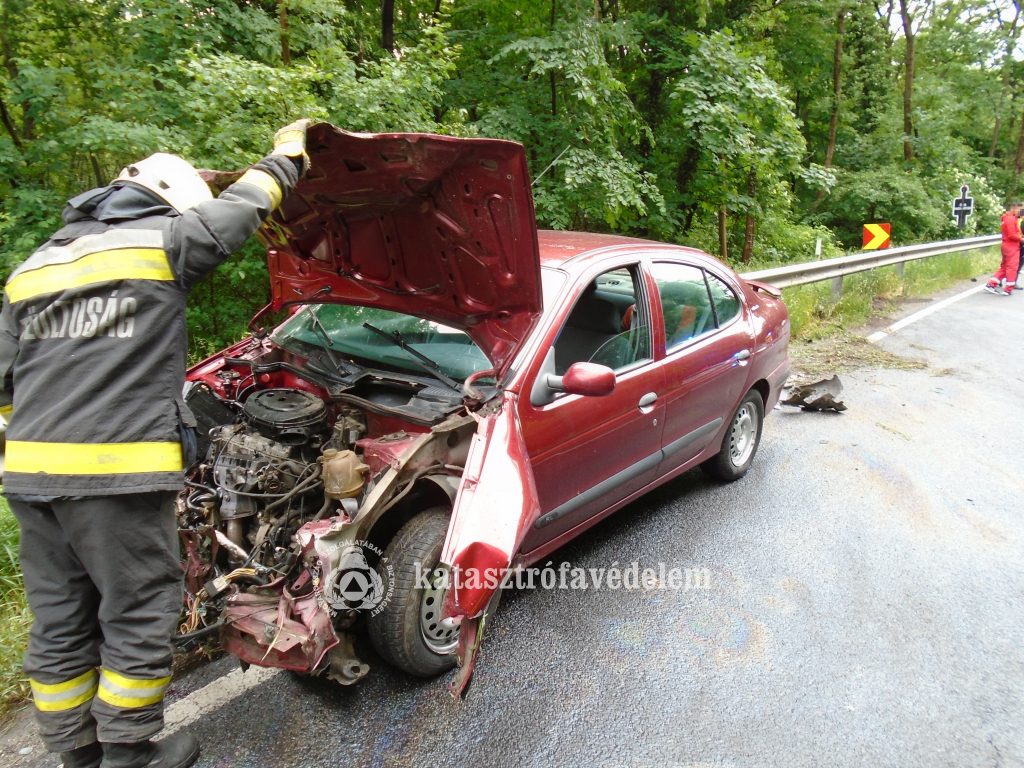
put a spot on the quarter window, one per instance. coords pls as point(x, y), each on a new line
point(727, 305)
point(684, 301)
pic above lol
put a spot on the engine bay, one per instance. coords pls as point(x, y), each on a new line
point(297, 472)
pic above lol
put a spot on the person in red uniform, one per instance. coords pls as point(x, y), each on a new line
point(1005, 278)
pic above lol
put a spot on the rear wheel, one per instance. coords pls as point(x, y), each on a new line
point(741, 440)
point(408, 632)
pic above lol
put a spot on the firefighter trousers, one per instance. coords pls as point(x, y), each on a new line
point(104, 584)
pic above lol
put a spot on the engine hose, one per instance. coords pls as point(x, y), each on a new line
point(200, 486)
point(274, 367)
point(203, 632)
point(323, 510)
point(299, 488)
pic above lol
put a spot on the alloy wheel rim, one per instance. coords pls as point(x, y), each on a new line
point(742, 435)
point(440, 636)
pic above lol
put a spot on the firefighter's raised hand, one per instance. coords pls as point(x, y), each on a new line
point(290, 141)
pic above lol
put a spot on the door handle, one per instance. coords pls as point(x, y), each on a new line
point(648, 400)
point(743, 354)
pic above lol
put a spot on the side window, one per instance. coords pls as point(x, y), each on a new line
point(608, 325)
point(727, 305)
point(684, 302)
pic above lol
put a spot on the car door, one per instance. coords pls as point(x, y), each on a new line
point(589, 452)
point(707, 348)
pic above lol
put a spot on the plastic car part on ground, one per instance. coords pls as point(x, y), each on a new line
point(819, 396)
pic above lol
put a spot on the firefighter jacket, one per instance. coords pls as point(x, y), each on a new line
point(93, 343)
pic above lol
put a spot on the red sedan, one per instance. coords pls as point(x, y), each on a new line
point(453, 395)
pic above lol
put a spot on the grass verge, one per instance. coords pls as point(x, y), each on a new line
point(15, 617)
point(815, 314)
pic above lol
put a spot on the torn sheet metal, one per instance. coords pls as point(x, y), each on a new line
point(819, 396)
point(496, 505)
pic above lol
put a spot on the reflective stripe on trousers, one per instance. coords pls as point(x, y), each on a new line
point(130, 692)
point(57, 697)
point(92, 458)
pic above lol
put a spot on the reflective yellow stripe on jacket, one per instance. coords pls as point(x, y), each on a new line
point(58, 697)
point(130, 692)
point(257, 178)
point(101, 267)
point(121, 254)
point(92, 458)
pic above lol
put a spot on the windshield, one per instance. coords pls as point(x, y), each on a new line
point(454, 352)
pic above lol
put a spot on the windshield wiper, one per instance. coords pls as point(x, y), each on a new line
point(319, 330)
point(421, 360)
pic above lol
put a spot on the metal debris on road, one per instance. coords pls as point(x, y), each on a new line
point(819, 396)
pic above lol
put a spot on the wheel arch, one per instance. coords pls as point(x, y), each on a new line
point(427, 492)
point(763, 388)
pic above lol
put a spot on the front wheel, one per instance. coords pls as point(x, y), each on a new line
point(408, 632)
point(741, 441)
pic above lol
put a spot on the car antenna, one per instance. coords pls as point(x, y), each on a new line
point(567, 146)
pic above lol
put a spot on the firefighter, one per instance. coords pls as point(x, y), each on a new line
point(92, 360)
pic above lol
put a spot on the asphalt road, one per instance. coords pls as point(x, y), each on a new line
point(865, 606)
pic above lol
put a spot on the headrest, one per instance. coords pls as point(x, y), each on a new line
point(594, 314)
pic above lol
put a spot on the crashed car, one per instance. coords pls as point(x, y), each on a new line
point(452, 396)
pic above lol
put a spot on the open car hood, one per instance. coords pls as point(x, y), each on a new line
point(434, 226)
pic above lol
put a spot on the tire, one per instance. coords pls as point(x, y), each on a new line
point(741, 441)
point(398, 632)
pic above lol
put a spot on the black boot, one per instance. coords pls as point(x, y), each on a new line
point(88, 756)
point(178, 751)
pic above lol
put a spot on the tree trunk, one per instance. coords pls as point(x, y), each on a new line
point(1011, 42)
point(28, 128)
point(286, 54)
point(551, 73)
point(9, 125)
point(748, 234)
point(1018, 163)
point(387, 25)
point(908, 82)
point(837, 93)
point(837, 87)
point(100, 181)
point(723, 234)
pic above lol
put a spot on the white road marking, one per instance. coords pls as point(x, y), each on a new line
point(900, 324)
point(213, 696)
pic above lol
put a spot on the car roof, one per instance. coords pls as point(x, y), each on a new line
point(557, 247)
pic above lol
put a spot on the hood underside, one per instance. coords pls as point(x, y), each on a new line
point(434, 226)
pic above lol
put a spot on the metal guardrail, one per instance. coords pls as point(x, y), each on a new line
point(834, 269)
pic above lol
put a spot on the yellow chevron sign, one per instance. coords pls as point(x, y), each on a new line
point(876, 236)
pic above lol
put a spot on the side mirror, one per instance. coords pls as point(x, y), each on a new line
point(588, 379)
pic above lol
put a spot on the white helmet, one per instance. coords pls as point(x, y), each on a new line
point(170, 178)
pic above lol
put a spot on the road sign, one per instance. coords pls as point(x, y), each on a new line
point(963, 206)
point(876, 236)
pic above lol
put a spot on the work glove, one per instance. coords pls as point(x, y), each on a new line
point(290, 141)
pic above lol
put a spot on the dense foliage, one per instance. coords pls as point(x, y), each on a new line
point(749, 128)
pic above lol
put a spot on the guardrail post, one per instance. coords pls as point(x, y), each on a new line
point(837, 287)
point(899, 269)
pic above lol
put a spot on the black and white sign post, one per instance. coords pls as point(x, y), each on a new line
point(963, 207)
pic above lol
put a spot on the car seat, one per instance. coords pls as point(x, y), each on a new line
point(592, 323)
